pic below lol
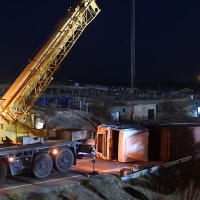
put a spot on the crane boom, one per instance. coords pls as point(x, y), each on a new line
point(33, 80)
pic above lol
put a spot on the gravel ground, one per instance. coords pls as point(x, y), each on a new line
point(179, 182)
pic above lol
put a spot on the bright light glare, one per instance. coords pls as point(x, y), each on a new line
point(11, 159)
point(55, 151)
point(86, 3)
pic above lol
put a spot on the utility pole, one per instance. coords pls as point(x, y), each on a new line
point(132, 43)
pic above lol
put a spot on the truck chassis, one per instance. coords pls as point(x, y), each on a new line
point(39, 159)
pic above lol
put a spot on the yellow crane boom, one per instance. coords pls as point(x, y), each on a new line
point(33, 80)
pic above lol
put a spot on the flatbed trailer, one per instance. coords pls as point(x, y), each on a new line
point(40, 158)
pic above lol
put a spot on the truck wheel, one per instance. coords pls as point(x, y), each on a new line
point(42, 165)
point(64, 160)
point(3, 170)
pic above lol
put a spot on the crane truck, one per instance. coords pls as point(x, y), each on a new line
point(23, 148)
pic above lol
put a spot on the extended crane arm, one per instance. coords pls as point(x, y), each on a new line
point(21, 96)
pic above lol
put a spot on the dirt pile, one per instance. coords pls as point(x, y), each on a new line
point(75, 119)
point(179, 111)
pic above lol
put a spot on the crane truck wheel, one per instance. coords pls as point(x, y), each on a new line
point(3, 170)
point(64, 160)
point(42, 165)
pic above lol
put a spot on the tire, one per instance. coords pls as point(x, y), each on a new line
point(64, 160)
point(42, 165)
point(3, 170)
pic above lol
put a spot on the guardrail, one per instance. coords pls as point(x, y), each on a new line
point(153, 169)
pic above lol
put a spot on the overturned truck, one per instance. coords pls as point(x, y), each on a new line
point(123, 143)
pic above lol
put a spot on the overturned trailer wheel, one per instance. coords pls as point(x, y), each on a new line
point(64, 160)
point(3, 170)
point(42, 165)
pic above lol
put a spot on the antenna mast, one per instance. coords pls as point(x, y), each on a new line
point(132, 43)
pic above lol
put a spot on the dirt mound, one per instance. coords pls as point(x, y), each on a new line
point(75, 119)
point(179, 111)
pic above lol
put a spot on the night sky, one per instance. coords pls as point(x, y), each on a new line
point(167, 40)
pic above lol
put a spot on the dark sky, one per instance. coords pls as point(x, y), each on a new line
point(167, 40)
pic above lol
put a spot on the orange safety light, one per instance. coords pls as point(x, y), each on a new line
point(11, 159)
point(55, 151)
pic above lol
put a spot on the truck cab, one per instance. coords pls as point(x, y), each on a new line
point(124, 143)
